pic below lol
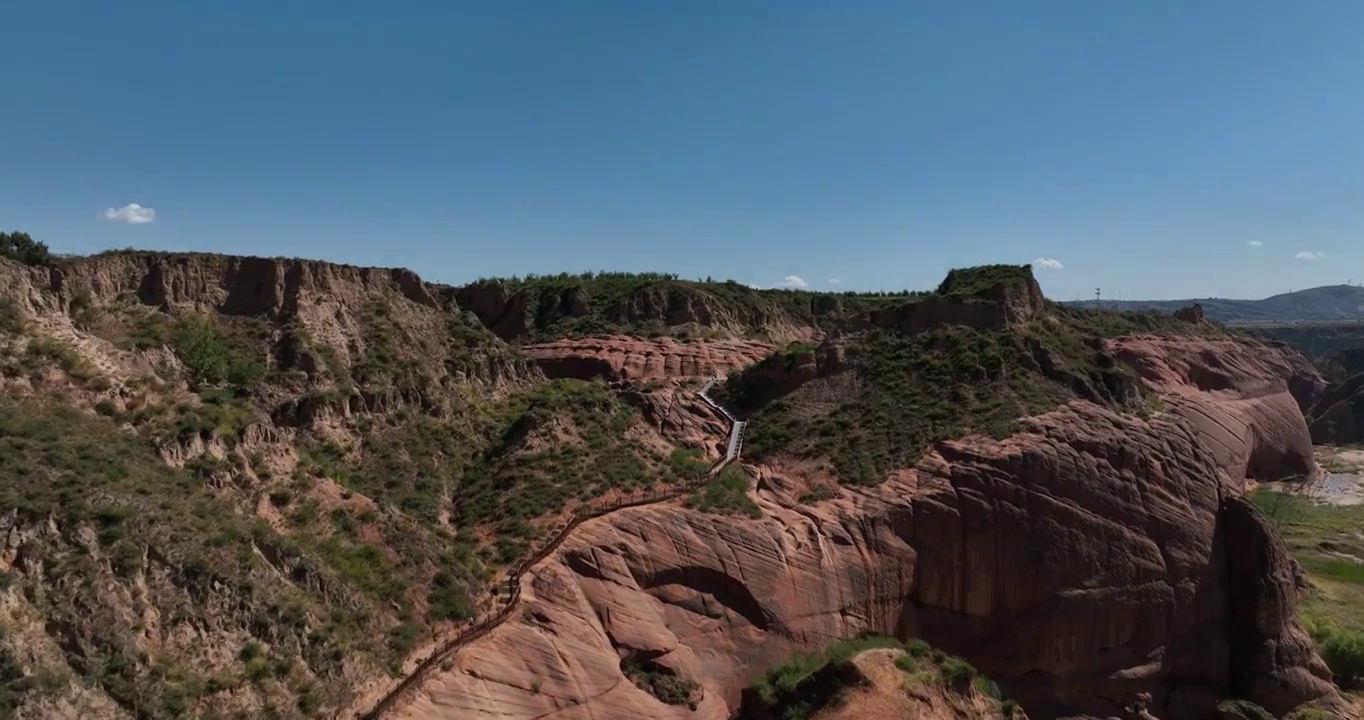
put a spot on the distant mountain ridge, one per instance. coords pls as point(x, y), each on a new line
point(1326, 304)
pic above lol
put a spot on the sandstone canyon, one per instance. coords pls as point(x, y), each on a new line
point(298, 480)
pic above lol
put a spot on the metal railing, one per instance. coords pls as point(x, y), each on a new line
point(736, 430)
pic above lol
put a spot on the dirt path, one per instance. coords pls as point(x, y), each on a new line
point(508, 597)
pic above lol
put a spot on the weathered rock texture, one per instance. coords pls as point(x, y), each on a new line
point(1338, 416)
point(1239, 396)
point(1002, 306)
point(522, 312)
point(621, 357)
point(1087, 560)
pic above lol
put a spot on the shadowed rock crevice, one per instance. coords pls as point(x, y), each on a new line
point(709, 585)
point(1271, 661)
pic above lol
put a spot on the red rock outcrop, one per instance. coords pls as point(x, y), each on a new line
point(1089, 560)
point(620, 357)
point(1237, 393)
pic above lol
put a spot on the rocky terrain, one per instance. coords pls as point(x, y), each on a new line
point(245, 487)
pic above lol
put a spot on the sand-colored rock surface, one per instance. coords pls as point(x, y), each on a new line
point(1082, 562)
point(625, 358)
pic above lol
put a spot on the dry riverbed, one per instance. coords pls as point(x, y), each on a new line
point(1341, 481)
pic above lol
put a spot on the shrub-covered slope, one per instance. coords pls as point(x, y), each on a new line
point(241, 487)
point(996, 351)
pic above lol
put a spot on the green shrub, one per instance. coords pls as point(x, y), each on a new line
point(662, 684)
point(1245, 709)
point(799, 686)
point(956, 672)
point(1343, 652)
point(726, 494)
point(21, 247)
point(919, 648)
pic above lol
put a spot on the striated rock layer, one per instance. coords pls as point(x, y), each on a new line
point(626, 358)
point(1087, 561)
point(1242, 398)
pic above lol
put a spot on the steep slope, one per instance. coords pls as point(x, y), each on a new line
point(1337, 417)
point(1323, 343)
point(1093, 556)
point(285, 477)
point(543, 308)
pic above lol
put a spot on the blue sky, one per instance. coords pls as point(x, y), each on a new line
point(1142, 145)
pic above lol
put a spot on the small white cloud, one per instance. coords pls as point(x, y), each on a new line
point(1310, 255)
point(793, 281)
point(835, 281)
point(1255, 243)
point(1048, 263)
point(132, 213)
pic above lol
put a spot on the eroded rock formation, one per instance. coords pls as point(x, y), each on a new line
point(621, 357)
point(1091, 559)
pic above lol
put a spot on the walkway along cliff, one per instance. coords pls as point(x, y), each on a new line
point(509, 596)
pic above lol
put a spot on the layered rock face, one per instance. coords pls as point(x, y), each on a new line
point(1088, 560)
point(232, 285)
point(333, 303)
point(1005, 305)
point(517, 313)
point(1239, 395)
point(625, 358)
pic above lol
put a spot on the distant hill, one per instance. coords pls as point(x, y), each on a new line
point(1327, 304)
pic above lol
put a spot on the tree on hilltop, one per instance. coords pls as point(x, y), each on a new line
point(21, 247)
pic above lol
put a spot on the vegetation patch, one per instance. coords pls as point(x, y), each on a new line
point(983, 281)
point(565, 440)
point(662, 683)
point(911, 391)
point(21, 247)
point(807, 682)
point(726, 494)
point(901, 392)
point(60, 465)
point(1326, 541)
point(652, 304)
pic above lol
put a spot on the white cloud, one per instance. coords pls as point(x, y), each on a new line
point(1310, 255)
point(1048, 263)
point(1255, 243)
point(835, 281)
point(132, 213)
point(793, 281)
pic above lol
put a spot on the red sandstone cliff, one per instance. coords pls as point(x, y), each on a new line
point(1087, 560)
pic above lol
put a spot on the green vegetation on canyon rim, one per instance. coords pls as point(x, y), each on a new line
point(545, 307)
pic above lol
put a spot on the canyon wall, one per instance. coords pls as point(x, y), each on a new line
point(1087, 561)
